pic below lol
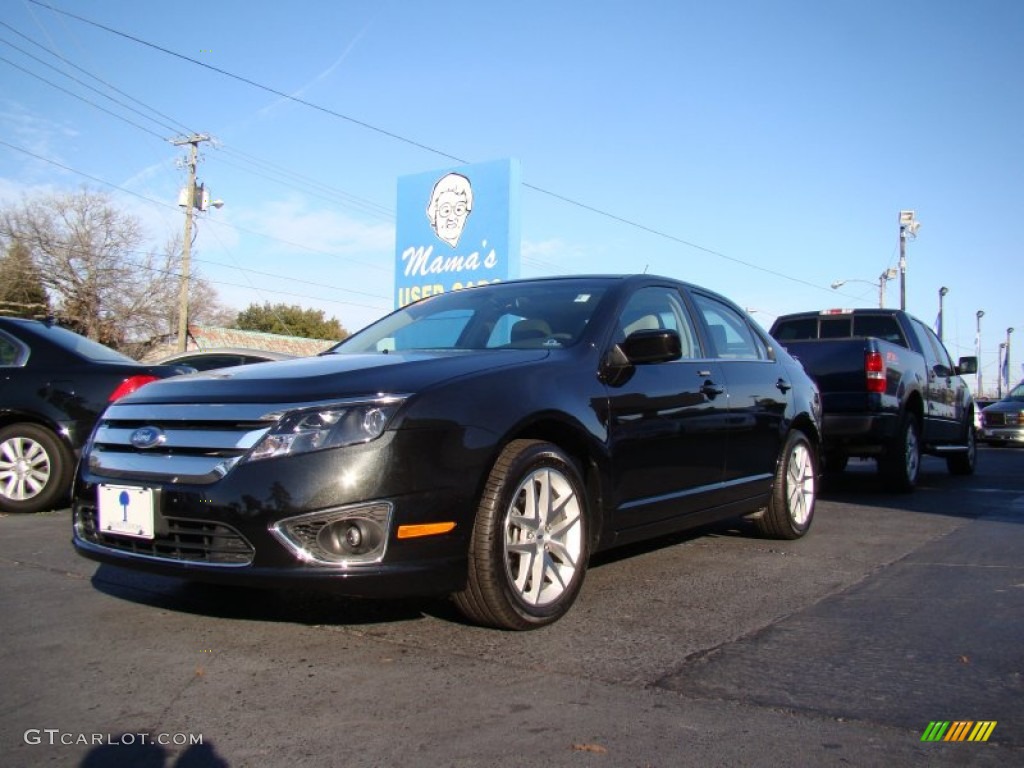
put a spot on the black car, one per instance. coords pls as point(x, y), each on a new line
point(481, 443)
point(54, 384)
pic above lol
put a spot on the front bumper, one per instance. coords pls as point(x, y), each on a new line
point(229, 531)
point(1002, 435)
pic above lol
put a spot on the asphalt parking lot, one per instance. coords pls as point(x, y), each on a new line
point(714, 648)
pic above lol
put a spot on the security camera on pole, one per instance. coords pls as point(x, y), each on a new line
point(908, 227)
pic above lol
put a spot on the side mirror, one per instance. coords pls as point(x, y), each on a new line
point(652, 346)
point(967, 365)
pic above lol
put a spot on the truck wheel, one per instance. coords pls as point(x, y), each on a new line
point(901, 463)
point(963, 462)
point(35, 468)
point(529, 548)
point(791, 507)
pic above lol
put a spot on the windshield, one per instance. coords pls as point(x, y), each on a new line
point(527, 315)
point(1017, 393)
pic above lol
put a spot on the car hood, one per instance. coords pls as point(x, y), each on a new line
point(328, 377)
point(1005, 406)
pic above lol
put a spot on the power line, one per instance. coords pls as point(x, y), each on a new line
point(81, 83)
point(433, 150)
point(242, 229)
point(82, 98)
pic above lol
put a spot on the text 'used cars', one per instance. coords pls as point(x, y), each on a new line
point(481, 443)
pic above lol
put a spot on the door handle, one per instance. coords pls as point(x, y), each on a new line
point(711, 390)
point(783, 385)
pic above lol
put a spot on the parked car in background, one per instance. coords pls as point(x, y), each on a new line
point(480, 443)
point(223, 357)
point(53, 385)
point(980, 404)
point(1003, 422)
point(889, 389)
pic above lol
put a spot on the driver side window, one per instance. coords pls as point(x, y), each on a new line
point(657, 308)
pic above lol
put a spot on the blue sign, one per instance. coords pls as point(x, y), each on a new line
point(457, 228)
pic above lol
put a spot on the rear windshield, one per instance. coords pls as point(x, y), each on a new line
point(883, 327)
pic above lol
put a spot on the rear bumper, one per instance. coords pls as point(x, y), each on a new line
point(863, 434)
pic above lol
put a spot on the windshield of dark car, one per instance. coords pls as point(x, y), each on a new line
point(527, 315)
point(1017, 393)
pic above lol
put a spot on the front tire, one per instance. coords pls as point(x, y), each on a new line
point(529, 548)
point(794, 491)
point(35, 469)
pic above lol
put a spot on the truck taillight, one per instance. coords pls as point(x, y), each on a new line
point(129, 385)
point(874, 369)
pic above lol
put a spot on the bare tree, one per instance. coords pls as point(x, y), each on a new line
point(102, 282)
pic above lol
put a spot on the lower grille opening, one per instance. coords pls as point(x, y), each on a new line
point(193, 541)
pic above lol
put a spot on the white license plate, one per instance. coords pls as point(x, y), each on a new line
point(126, 511)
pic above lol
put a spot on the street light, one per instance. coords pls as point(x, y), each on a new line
point(908, 227)
point(977, 344)
point(889, 274)
point(942, 292)
point(1006, 360)
point(999, 386)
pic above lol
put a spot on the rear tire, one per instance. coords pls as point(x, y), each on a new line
point(35, 469)
point(529, 548)
point(794, 491)
point(964, 462)
point(901, 463)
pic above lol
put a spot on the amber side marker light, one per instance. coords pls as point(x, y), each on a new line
point(425, 529)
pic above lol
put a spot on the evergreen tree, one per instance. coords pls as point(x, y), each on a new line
point(21, 285)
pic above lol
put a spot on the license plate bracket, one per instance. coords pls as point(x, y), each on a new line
point(126, 511)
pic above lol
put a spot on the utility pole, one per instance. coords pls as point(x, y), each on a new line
point(190, 204)
point(908, 226)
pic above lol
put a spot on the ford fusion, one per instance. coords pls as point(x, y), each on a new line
point(482, 443)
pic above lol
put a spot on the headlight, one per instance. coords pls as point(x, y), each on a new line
point(328, 426)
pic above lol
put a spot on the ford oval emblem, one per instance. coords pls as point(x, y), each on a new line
point(147, 437)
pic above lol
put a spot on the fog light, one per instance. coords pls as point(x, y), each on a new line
point(346, 536)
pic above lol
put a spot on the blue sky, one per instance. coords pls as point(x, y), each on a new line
point(762, 149)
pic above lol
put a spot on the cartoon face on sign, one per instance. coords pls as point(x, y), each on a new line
point(450, 204)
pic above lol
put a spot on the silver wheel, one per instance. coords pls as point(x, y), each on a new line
point(24, 468)
point(530, 542)
point(543, 537)
point(35, 468)
point(912, 455)
point(800, 484)
point(794, 491)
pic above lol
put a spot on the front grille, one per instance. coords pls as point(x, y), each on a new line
point(1000, 419)
point(197, 444)
point(191, 541)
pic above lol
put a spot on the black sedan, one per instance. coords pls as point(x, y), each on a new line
point(481, 443)
point(53, 385)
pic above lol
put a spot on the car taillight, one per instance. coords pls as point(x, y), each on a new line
point(874, 369)
point(129, 385)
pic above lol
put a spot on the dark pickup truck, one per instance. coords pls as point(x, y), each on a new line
point(889, 390)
